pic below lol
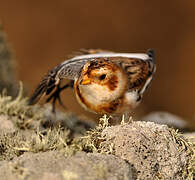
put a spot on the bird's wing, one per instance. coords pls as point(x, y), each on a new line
point(140, 71)
point(140, 74)
point(69, 69)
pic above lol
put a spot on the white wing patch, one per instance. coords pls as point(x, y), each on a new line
point(142, 56)
point(146, 84)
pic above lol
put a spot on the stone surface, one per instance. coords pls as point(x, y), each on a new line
point(54, 165)
point(190, 136)
point(150, 147)
point(6, 125)
point(76, 124)
point(167, 118)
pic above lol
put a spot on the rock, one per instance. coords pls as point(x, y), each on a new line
point(54, 165)
point(190, 136)
point(76, 124)
point(6, 125)
point(152, 148)
point(169, 119)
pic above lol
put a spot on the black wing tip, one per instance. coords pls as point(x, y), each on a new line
point(36, 96)
point(151, 54)
point(44, 88)
point(31, 102)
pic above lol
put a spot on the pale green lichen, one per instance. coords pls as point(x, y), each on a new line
point(23, 116)
point(15, 144)
point(53, 139)
point(187, 146)
point(7, 66)
point(91, 142)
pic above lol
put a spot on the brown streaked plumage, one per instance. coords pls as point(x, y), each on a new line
point(104, 82)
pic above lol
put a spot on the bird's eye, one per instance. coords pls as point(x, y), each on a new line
point(102, 77)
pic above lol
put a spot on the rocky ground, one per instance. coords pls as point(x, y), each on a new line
point(37, 144)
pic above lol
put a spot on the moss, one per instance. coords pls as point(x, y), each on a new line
point(23, 116)
point(7, 67)
point(7, 143)
point(28, 137)
point(53, 139)
point(187, 146)
point(93, 139)
point(15, 144)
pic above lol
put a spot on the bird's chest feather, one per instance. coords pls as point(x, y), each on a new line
point(101, 99)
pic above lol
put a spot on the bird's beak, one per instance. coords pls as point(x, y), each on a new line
point(85, 81)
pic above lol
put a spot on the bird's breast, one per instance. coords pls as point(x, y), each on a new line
point(107, 98)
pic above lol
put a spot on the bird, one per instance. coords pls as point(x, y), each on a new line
point(104, 82)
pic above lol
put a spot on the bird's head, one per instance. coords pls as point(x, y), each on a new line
point(100, 82)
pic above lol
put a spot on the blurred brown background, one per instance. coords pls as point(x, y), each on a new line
point(42, 33)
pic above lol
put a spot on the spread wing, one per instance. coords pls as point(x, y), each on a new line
point(69, 69)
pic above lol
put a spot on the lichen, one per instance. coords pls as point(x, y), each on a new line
point(23, 116)
point(15, 144)
point(187, 146)
point(93, 139)
point(7, 66)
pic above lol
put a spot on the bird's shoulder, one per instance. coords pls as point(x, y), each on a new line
point(137, 70)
